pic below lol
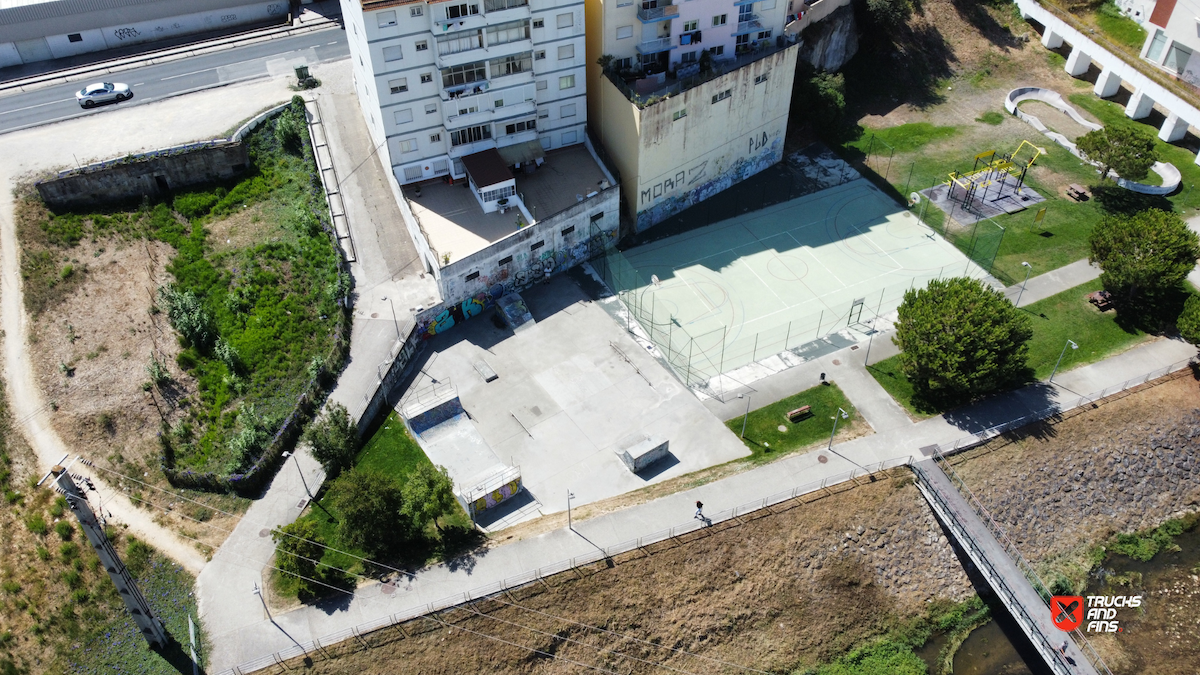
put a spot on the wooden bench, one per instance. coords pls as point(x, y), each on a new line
point(1101, 299)
point(1077, 192)
point(799, 413)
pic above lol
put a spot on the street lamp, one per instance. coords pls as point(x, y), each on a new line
point(1072, 345)
point(570, 496)
point(1028, 269)
point(845, 415)
point(746, 415)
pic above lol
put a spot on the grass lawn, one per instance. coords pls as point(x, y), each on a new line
point(767, 442)
point(391, 450)
point(1068, 316)
point(1120, 28)
point(1062, 317)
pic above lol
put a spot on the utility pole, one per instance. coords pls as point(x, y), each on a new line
point(151, 627)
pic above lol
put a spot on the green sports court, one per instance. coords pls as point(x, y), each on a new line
point(745, 289)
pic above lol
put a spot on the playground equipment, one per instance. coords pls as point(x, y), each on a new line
point(1005, 172)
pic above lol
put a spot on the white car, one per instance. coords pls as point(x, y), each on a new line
point(103, 92)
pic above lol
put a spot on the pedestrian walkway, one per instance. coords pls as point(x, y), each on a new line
point(1052, 283)
point(247, 637)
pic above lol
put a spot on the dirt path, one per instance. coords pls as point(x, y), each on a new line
point(100, 136)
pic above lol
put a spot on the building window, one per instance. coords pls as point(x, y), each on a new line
point(403, 116)
point(422, 45)
point(426, 78)
point(392, 53)
point(539, 55)
point(723, 95)
point(518, 127)
point(464, 74)
point(498, 103)
point(719, 20)
point(502, 193)
point(505, 260)
point(688, 57)
point(566, 20)
point(566, 52)
point(508, 32)
point(624, 32)
point(567, 110)
point(386, 19)
point(1156, 46)
point(538, 23)
point(764, 35)
point(568, 230)
point(430, 108)
point(419, 10)
point(761, 78)
point(678, 115)
point(500, 5)
point(461, 11)
point(534, 247)
point(512, 65)
point(568, 138)
point(596, 217)
point(624, 3)
point(472, 276)
point(689, 26)
point(412, 173)
point(1177, 58)
point(471, 134)
point(541, 84)
point(398, 86)
point(467, 110)
point(717, 50)
point(408, 145)
point(566, 82)
point(460, 41)
point(543, 113)
point(75, 37)
point(435, 138)
point(623, 64)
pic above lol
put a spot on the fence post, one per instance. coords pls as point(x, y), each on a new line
point(787, 336)
point(819, 320)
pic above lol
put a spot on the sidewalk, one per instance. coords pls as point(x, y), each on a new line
point(246, 637)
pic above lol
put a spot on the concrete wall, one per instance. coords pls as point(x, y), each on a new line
point(566, 239)
point(685, 160)
point(69, 27)
point(125, 180)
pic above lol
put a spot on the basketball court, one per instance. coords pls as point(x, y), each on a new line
point(735, 292)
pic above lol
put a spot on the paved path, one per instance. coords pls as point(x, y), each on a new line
point(1002, 574)
point(248, 636)
point(1053, 282)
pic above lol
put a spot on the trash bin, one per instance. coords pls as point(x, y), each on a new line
point(302, 73)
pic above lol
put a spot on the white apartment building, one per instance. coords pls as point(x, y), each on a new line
point(442, 80)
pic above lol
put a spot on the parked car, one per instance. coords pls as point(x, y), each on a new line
point(103, 92)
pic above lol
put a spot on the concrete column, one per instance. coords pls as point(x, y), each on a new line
point(1051, 40)
point(1078, 62)
point(1139, 106)
point(1108, 84)
point(1173, 129)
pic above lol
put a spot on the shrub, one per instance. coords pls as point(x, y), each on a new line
point(72, 579)
point(1189, 320)
point(43, 553)
point(227, 355)
point(254, 435)
point(298, 550)
point(334, 439)
point(68, 550)
point(370, 505)
point(137, 557)
point(196, 204)
point(158, 373)
point(188, 315)
point(36, 523)
point(11, 587)
point(64, 529)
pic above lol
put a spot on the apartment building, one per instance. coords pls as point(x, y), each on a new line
point(1172, 34)
point(440, 81)
point(693, 96)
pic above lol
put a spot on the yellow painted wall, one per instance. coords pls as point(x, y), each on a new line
point(617, 126)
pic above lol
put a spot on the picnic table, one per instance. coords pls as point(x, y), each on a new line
point(1101, 299)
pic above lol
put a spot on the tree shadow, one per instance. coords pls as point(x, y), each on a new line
point(1116, 199)
point(975, 13)
point(1150, 313)
point(896, 66)
point(987, 413)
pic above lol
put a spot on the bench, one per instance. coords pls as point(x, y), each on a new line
point(1077, 192)
point(1101, 299)
point(799, 413)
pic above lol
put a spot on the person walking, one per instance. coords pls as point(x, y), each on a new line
point(699, 510)
point(1063, 649)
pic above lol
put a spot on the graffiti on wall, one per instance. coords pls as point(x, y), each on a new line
point(694, 184)
point(497, 496)
point(126, 33)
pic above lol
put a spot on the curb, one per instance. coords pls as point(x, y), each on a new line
point(166, 55)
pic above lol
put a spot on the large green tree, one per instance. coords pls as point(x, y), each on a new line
point(297, 551)
point(1143, 254)
point(334, 439)
point(1189, 320)
point(1125, 149)
point(428, 495)
point(960, 339)
point(369, 506)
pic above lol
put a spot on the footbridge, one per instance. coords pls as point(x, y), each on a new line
point(1114, 70)
point(1001, 564)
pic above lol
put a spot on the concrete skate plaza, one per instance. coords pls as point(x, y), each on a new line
point(564, 382)
point(752, 286)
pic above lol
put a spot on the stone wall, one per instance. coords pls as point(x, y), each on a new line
point(829, 44)
point(148, 175)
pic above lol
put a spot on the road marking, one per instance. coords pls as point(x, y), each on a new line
point(194, 72)
point(139, 84)
point(331, 43)
point(39, 105)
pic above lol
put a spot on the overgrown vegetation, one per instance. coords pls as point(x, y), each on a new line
point(1144, 545)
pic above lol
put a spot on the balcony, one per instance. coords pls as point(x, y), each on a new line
point(444, 25)
point(485, 110)
point(460, 51)
point(660, 13)
point(459, 151)
point(460, 91)
point(655, 46)
point(511, 79)
point(751, 24)
point(514, 13)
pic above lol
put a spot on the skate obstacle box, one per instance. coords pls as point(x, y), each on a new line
point(641, 450)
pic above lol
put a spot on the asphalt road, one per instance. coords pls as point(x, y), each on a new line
point(155, 82)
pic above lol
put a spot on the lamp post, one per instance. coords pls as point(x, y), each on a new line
point(1072, 345)
point(1028, 269)
point(845, 415)
point(570, 496)
point(745, 415)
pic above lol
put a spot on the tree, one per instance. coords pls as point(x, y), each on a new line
point(369, 507)
point(960, 340)
point(334, 439)
point(297, 551)
point(1143, 254)
point(1189, 320)
point(889, 13)
point(1125, 149)
point(428, 495)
